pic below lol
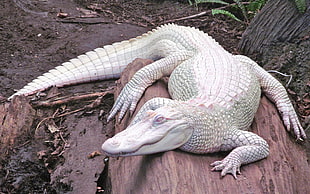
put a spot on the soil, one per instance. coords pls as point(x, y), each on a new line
point(36, 36)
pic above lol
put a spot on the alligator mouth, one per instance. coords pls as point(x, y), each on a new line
point(115, 155)
point(124, 154)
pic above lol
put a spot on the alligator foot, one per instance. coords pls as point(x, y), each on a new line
point(227, 165)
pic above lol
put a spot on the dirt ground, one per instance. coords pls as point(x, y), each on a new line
point(36, 36)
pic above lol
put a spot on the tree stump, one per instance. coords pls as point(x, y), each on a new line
point(278, 21)
point(285, 170)
point(16, 119)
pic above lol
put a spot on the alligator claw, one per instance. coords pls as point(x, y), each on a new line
point(291, 122)
point(227, 166)
point(127, 100)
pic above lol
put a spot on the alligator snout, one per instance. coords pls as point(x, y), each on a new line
point(111, 143)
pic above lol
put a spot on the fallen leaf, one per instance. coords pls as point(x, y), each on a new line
point(62, 15)
point(51, 126)
point(94, 154)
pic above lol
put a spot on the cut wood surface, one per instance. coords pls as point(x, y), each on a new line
point(285, 170)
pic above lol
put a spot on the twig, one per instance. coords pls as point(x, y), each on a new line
point(7, 174)
point(50, 103)
point(51, 117)
point(63, 139)
point(285, 75)
point(77, 21)
point(94, 104)
point(189, 17)
point(71, 112)
point(202, 13)
point(25, 143)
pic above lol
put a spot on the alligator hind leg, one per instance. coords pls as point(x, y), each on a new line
point(276, 92)
point(247, 148)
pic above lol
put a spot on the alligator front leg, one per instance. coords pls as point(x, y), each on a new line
point(247, 148)
point(143, 78)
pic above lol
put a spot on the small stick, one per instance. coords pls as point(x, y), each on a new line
point(285, 75)
point(43, 120)
point(77, 21)
point(189, 17)
point(50, 103)
point(202, 13)
point(71, 112)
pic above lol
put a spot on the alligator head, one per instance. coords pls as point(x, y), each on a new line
point(161, 130)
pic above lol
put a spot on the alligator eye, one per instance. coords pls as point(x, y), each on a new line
point(159, 119)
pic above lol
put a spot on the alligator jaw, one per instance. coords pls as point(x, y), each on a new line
point(119, 154)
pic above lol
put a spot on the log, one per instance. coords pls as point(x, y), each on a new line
point(285, 170)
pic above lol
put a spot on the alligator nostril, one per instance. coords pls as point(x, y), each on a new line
point(113, 142)
point(130, 140)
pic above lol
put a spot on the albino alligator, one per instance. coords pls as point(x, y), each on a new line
point(215, 96)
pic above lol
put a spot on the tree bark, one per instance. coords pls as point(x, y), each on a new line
point(278, 21)
point(285, 170)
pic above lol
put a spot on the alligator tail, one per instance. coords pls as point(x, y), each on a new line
point(100, 64)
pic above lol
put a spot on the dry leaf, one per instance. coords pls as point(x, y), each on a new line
point(94, 154)
point(51, 126)
point(62, 15)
